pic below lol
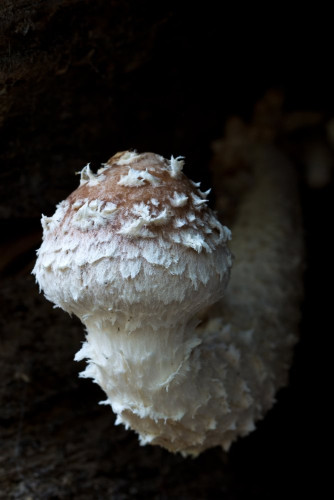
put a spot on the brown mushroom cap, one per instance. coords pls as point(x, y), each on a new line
point(137, 235)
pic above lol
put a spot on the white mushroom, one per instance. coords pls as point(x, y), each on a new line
point(138, 256)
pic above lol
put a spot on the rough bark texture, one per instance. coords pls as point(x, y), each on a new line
point(80, 80)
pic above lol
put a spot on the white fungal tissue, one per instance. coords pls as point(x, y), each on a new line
point(50, 223)
point(90, 214)
point(87, 176)
point(136, 253)
point(179, 199)
point(176, 166)
point(136, 178)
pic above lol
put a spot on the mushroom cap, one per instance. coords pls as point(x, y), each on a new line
point(132, 239)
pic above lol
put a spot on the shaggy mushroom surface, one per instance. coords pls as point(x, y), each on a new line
point(139, 257)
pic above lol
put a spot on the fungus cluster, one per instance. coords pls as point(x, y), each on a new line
point(139, 257)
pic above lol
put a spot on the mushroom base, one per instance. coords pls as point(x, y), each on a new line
point(184, 389)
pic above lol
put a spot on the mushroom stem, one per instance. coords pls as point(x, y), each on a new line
point(140, 369)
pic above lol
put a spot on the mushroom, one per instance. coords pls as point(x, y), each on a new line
point(136, 253)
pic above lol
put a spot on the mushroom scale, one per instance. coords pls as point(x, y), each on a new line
point(139, 257)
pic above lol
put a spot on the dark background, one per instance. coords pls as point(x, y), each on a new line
point(79, 81)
